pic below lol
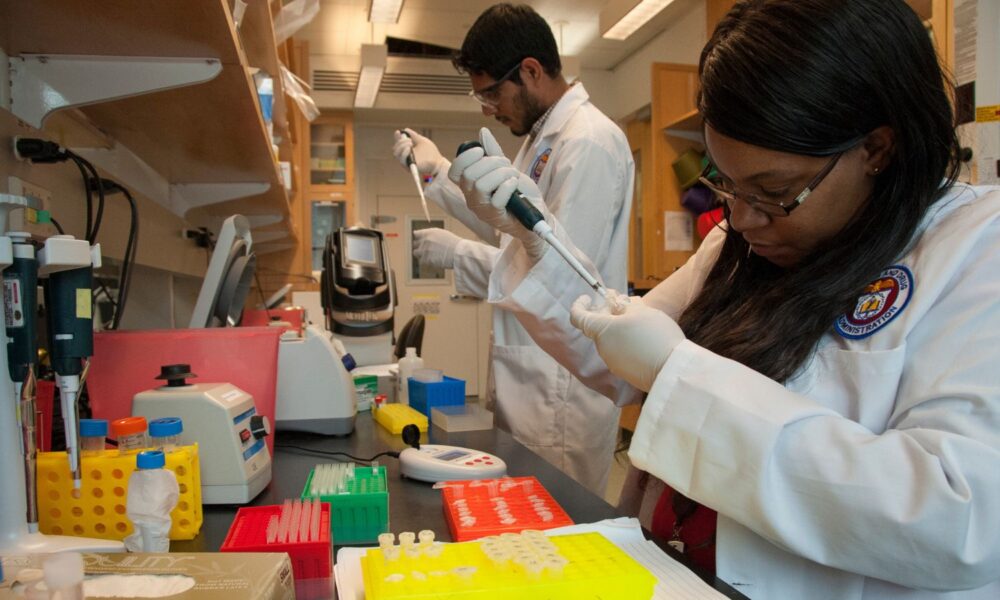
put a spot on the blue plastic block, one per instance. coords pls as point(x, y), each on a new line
point(425, 396)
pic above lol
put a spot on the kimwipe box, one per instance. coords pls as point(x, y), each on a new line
point(235, 576)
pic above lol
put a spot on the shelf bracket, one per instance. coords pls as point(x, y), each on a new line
point(187, 196)
point(41, 84)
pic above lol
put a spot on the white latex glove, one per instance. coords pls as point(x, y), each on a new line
point(487, 178)
point(435, 247)
point(426, 154)
point(635, 344)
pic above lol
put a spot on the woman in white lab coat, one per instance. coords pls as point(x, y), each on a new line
point(825, 371)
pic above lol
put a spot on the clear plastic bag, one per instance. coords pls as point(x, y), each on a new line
point(297, 90)
point(294, 16)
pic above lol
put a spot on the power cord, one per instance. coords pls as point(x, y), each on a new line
point(128, 261)
point(313, 451)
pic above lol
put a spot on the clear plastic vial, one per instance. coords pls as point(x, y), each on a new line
point(165, 433)
point(131, 434)
point(93, 436)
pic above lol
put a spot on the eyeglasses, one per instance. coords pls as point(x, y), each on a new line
point(774, 209)
point(489, 96)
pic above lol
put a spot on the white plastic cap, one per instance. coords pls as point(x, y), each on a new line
point(411, 352)
point(64, 569)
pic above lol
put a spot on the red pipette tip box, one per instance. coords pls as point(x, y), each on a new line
point(310, 560)
point(483, 507)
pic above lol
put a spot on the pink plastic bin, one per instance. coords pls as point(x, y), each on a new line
point(127, 362)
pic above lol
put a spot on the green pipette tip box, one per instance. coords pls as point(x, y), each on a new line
point(360, 514)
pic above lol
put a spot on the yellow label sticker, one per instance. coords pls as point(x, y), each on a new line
point(83, 300)
point(985, 114)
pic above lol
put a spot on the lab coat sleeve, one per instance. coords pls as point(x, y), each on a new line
point(447, 195)
point(473, 265)
point(914, 504)
point(540, 296)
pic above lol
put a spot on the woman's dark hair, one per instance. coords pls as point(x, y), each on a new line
point(813, 77)
point(503, 36)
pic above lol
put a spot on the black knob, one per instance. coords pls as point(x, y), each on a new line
point(175, 375)
point(259, 426)
point(411, 435)
point(965, 154)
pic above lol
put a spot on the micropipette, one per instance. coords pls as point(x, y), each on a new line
point(411, 162)
point(532, 219)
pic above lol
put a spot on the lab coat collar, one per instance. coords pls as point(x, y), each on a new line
point(573, 99)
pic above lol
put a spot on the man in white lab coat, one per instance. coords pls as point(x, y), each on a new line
point(582, 163)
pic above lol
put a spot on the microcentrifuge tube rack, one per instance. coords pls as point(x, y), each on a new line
point(483, 507)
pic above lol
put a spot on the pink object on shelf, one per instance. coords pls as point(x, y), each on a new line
point(45, 393)
point(127, 362)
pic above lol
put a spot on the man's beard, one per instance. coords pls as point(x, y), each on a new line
point(530, 108)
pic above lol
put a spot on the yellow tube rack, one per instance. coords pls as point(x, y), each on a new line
point(99, 511)
point(396, 416)
point(510, 566)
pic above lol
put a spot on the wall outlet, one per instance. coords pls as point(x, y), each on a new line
point(27, 220)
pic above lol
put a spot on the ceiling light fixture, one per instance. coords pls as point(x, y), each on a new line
point(621, 18)
point(384, 11)
point(373, 61)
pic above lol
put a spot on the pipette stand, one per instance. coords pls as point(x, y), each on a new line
point(14, 535)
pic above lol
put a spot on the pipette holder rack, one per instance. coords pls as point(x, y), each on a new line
point(588, 566)
point(393, 417)
point(99, 511)
point(310, 560)
point(526, 502)
point(425, 396)
point(359, 514)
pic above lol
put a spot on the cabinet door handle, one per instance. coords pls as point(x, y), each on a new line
point(464, 298)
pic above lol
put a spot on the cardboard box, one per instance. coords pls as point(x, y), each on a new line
point(230, 576)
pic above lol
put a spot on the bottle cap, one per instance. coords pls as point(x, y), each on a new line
point(128, 426)
point(150, 459)
point(93, 428)
point(165, 426)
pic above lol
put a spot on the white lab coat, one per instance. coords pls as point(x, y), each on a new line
point(586, 180)
point(875, 471)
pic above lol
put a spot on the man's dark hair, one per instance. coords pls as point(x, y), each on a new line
point(502, 37)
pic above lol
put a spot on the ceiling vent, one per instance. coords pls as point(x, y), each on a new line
point(393, 83)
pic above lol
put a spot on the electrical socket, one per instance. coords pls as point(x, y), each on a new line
point(19, 219)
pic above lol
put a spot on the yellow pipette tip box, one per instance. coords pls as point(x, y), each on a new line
point(510, 566)
point(99, 511)
point(396, 416)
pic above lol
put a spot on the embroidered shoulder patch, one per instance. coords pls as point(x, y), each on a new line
point(881, 302)
point(539, 165)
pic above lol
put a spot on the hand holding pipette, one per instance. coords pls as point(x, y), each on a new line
point(411, 164)
point(493, 184)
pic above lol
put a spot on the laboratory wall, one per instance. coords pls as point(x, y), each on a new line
point(163, 256)
point(630, 87)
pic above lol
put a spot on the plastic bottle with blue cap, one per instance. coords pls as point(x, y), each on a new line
point(152, 494)
point(165, 433)
point(93, 436)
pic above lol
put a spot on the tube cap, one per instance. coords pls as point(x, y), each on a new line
point(165, 426)
point(150, 459)
point(93, 428)
point(128, 426)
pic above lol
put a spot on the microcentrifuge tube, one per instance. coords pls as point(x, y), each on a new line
point(386, 540)
point(418, 575)
point(426, 537)
point(314, 521)
point(411, 552)
point(304, 528)
point(286, 516)
point(272, 529)
point(293, 525)
point(391, 553)
point(406, 538)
